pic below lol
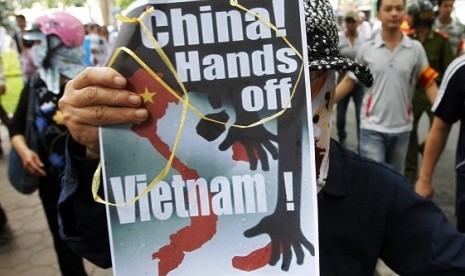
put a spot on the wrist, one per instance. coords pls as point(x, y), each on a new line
point(426, 178)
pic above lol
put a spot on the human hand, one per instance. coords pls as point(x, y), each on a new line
point(94, 98)
point(424, 188)
point(32, 163)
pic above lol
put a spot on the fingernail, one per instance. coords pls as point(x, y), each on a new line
point(141, 113)
point(120, 81)
point(134, 99)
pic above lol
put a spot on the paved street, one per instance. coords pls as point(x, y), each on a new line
point(28, 251)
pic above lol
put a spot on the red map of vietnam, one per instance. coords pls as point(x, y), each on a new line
point(201, 228)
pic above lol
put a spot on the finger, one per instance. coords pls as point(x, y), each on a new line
point(98, 95)
point(271, 149)
point(104, 115)
point(36, 161)
point(254, 231)
point(35, 167)
point(263, 157)
point(38, 172)
point(275, 252)
point(226, 144)
point(299, 252)
point(85, 135)
point(308, 245)
point(99, 76)
point(287, 256)
point(251, 154)
point(272, 137)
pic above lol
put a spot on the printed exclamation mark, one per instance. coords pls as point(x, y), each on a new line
point(289, 184)
point(278, 8)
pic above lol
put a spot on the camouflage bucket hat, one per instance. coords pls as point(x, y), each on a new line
point(322, 41)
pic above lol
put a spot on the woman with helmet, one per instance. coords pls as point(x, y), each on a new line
point(57, 38)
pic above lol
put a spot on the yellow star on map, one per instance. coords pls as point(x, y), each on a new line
point(148, 96)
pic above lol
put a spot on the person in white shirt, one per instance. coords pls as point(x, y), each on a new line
point(349, 42)
point(364, 29)
point(450, 25)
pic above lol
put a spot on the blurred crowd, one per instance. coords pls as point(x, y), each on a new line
point(51, 50)
point(442, 37)
point(97, 44)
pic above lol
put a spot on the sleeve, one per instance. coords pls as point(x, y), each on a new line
point(426, 74)
point(419, 240)
point(18, 122)
point(82, 221)
point(449, 105)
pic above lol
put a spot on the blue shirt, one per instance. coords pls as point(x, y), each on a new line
point(366, 211)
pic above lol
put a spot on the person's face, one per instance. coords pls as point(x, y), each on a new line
point(103, 31)
point(322, 90)
point(351, 26)
point(445, 9)
point(391, 13)
point(21, 23)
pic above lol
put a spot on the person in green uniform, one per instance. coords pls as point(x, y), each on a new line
point(439, 52)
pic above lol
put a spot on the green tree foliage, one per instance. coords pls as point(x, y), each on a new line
point(6, 10)
point(50, 3)
point(123, 3)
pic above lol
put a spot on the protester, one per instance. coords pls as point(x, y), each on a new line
point(86, 45)
point(349, 42)
point(398, 64)
point(440, 55)
point(450, 25)
point(98, 46)
point(448, 109)
point(57, 53)
point(23, 48)
point(18, 34)
point(366, 209)
point(364, 29)
point(102, 49)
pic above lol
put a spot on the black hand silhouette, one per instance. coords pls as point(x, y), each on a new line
point(210, 130)
point(285, 234)
point(256, 140)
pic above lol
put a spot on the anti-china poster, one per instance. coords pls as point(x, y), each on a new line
point(220, 180)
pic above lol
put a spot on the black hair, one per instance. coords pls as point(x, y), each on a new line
point(441, 1)
point(378, 4)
